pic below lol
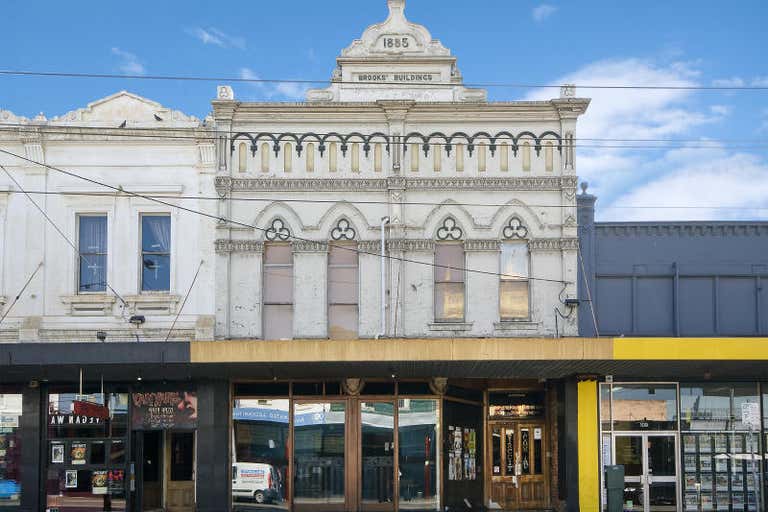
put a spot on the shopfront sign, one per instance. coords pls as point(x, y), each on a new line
point(158, 410)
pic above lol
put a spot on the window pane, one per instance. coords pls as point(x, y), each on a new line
point(182, 456)
point(260, 453)
point(514, 260)
point(10, 448)
point(513, 300)
point(156, 274)
point(644, 407)
point(449, 255)
point(419, 474)
point(278, 285)
point(342, 254)
point(93, 234)
point(377, 443)
point(449, 302)
point(342, 322)
point(278, 322)
point(342, 285)
point(715, 406)
point(278, 253)
point(156, 233)
point(93, 273)
point(319, 453)
point(496, 451)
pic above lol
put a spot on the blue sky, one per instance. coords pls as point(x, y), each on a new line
point(682, 42)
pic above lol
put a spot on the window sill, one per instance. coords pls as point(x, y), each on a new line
point(450, 326)
point(507, 327)
point(153, 303)
point(89, 304)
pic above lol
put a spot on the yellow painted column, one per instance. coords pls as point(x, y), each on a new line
point(588, 448)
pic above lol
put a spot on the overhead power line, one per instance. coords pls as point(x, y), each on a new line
point(510, 85)
point(417, 140)
point(60, 232)
point(246, 225)
point(281, 199)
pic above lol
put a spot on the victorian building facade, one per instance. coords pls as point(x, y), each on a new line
point(364, 301)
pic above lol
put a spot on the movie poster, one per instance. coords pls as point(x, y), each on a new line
point(99, 480)
point(78, 453)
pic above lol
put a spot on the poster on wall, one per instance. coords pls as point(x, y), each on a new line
point(158, 410)
point(77, 453)
point(70, 479)
point(57, 453)
point(99, 482)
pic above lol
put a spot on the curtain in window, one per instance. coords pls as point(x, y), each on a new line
point(93, 249)
point(156, 253)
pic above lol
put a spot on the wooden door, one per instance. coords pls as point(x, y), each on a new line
point(180, 471)
point(518, 470)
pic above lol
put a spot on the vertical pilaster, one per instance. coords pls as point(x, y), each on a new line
point(30, 449)
point(588, 447)
point(213, 454)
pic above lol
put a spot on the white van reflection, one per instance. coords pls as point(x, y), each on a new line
point(254, 481)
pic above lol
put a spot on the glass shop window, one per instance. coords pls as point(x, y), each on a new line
point(644, 406)
point(417, 441)
point(10, 449)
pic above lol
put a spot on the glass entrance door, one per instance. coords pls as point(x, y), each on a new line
point(377, 454)
point(650, 471)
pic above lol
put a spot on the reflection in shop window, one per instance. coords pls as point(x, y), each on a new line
point(417, 431)
point(85, 451)
point(644, 407)
point(10, 450)
point(318, 431)
point(259, 458)
point(377, 444)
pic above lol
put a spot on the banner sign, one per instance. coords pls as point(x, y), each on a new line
point(158, 410)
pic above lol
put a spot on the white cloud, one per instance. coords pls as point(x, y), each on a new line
point(702, 173)
point(216, 37)
point(543, 11)
point(760, 81)
point(281, 90)
point(734, 81)
point(130, 64)
point(710, 185)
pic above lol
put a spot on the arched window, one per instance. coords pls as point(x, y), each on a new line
point(482, 157)
point(378, 164)
point(504, 157)
point(459, 157)
point(437, 158)
point(242, 157)
point(414, 149)
point(514, 291)
point(548, 156)
point(288, 157)
point(264, 157)
point(333, 157)
point(355, 157)
point(449, 273)
point(310, 157)
point(526, 149)
point(277, 290)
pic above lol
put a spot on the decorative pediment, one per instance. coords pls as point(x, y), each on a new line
point(396, 36)
point(128, 107)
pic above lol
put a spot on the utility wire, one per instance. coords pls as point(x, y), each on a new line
point(510, 85)
point(58, 229)
point(418, 140)
point(384, 203)
point(18, 295)
point(259, 228)
point(178, 313)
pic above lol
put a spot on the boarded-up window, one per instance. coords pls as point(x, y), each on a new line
point(278, 291)
point(242, 157)
point(377, 158)
point(460, 158)
point(343, 290)
point(310, 157)
point(414, 149)
point(333, 157)
point(449, 282)
point(526, 149)
point(548, 157)
point(504, 157)
point(355, 157)
point(264, 157)
point(482, 158)
point(288, 157)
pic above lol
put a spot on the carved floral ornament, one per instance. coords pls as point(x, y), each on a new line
point(343, 231)
point(278, 231)
point(515, 229)
point(450, 230)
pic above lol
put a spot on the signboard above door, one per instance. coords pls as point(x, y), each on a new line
point(164, 410)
